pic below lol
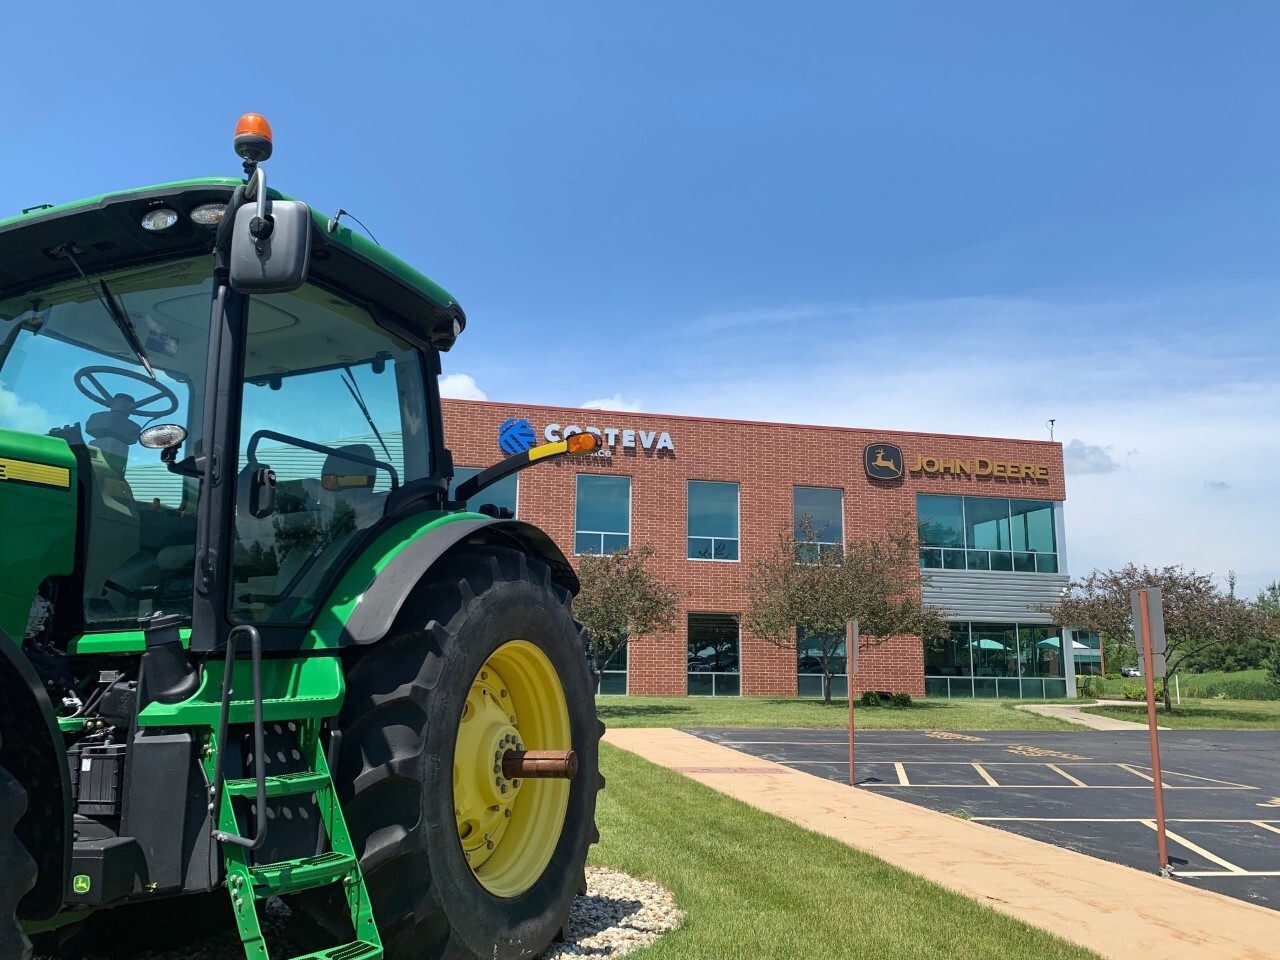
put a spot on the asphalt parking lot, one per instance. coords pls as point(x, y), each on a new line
point(1089, 791)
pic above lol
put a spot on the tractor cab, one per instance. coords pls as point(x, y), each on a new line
point(218, 306)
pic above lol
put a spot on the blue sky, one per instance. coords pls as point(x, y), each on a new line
point(954, 216)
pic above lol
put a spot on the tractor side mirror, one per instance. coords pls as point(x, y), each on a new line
point(262, 493)
point(270, 246)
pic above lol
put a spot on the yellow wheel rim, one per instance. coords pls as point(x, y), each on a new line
point(509, 829)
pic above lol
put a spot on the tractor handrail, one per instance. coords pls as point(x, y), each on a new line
point(259, 742)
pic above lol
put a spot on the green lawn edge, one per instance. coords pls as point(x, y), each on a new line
point(752, 885)
point(1201, 714)
point(796, 713)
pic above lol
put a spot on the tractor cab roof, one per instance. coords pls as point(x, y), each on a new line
point(106, 234)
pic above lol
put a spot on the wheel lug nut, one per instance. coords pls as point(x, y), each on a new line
point(503, 788)
point(489, 845)
point(506, 813)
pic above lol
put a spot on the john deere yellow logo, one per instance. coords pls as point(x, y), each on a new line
point(81, 884)
point(884, 461)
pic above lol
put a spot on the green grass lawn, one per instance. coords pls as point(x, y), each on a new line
point(1203, 714)
point(1239, 684)
point(928, 714)
point(754, 886)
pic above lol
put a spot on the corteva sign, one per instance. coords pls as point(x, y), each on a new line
point(978, 467)
point(517, 435)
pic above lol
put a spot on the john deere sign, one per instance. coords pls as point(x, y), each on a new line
point(978, 467)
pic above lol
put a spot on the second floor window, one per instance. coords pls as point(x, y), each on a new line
point(603, 522)
point(822, 509)
point(713, 520)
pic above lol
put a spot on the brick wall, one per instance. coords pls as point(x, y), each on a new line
point(766, 460)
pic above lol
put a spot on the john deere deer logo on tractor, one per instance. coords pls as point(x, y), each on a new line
point(883, 460)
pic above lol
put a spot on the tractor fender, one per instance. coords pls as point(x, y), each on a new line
point(31, 750)
point(373, 616)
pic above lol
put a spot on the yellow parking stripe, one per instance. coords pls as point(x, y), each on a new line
point(1196, 849)
point(1057, 769)
point(991, 781)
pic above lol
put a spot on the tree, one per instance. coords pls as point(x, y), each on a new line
point(806, 591)
point(1199, 616)
point(1268, 607)
point(621, 599)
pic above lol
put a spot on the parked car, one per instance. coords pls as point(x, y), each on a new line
point(1130, 672)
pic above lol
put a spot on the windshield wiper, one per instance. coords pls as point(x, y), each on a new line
point(118, 316)
point(354, 389)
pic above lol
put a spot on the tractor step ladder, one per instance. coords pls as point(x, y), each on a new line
point(250, 883)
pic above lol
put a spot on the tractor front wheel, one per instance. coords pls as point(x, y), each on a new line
point(17, 869)
point(463, 857)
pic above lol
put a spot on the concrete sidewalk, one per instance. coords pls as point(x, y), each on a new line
point(1073, 714)
point(1119, 912)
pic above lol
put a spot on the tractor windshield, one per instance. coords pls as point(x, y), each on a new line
point(67, 370)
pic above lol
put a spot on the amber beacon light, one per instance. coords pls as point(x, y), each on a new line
point(253, 138)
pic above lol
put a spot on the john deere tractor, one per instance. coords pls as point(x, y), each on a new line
point(253, 643)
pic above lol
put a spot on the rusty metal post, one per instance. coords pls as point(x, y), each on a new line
point(850, 669)
point(1162, 846)
point(539, 764)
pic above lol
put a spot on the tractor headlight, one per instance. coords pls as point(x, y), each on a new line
point(161, 218)
point(208, 214)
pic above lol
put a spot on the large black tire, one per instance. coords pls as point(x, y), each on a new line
point(399, 723)
point(17, 869)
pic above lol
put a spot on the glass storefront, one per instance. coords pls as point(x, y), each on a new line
point(997, 660)
point(810, 649)
point(612, 669)
point(714, 668)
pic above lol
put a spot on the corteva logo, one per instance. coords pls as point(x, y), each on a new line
point(516, 436)
point(883, 461)
point(611, 436)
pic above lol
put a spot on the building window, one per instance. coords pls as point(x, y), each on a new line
point(713, 520)
point(810, 648)
point(1087, 649)
point(997, 660)
point(612, 668)
point(713, 655)
point(505, 494)
point(603, 522)
point(986, 533)
point(823, 508)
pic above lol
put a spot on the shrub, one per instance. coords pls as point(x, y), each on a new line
point(870, 699)
point(900, 700)
point(1088, 686)
point(1111, 676)
point(1131, 691)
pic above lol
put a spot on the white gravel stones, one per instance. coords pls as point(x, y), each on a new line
point(618, 916)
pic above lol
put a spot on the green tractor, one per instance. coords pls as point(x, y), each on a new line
point(252, 642)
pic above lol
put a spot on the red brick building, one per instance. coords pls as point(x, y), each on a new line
point(712, 495)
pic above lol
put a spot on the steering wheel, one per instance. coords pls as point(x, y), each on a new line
point(86, 381)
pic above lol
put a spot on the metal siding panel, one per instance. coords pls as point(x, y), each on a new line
point(999, 596)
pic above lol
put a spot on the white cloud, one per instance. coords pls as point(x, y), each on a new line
point(1130, 375)
point(460, 386)
point(1081, 457)
point(613, 403)
point(1217, 486)
point(23, 415)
